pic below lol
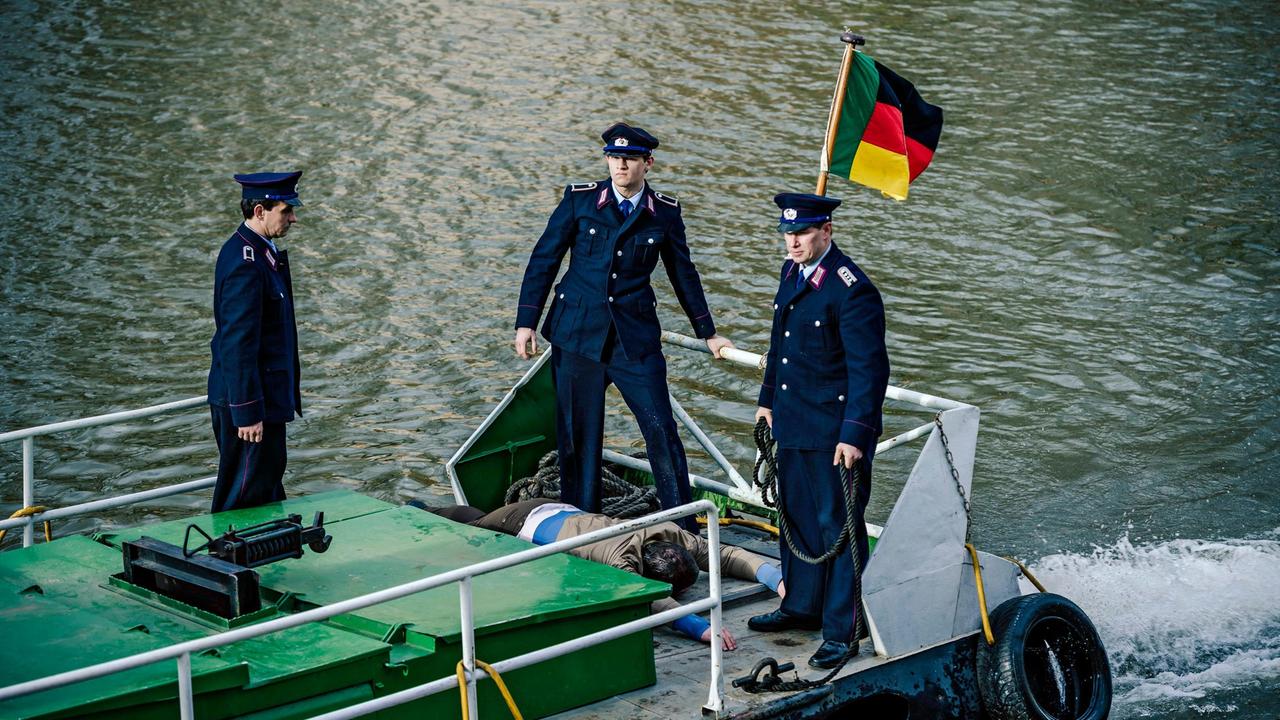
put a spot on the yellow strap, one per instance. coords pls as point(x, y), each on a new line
point(982, 594)
point(28, 512)
point(1026, 573)
point(757, 524)
point(497, 680)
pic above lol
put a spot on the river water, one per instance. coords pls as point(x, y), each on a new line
point(1091, 259)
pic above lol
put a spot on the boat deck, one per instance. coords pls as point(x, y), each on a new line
point(684, 666)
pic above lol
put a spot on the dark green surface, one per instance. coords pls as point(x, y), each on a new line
point(56, 599)
point(511, 447)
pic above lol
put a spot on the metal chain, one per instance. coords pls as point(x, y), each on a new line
point(955, 475)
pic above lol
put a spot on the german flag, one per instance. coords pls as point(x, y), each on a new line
point(887, 133)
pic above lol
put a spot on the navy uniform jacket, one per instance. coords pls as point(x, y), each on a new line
point(255, 370)
point(607, 282)
point(827, 370)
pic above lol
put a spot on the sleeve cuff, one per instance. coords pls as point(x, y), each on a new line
point(246, 414)
point(527, 316)
point(765, 398)
point(857, 435)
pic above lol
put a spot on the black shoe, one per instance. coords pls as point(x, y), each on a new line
point(779, 620)
point(829, 655)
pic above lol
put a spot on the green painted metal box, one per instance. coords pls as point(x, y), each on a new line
point(60, 609)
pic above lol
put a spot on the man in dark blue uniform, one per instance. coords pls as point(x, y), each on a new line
point(603, 321)
point(254, 378)
point(823, 388)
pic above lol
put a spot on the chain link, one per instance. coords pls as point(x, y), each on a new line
point(955, 475)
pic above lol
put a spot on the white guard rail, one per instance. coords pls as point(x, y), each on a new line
point(182, 651)
point(28, 436)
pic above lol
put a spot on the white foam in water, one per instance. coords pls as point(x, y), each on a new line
point(1180, 619)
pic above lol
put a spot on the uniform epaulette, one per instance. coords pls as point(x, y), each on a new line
point(846, 275)
point(666, 199)
point(581, 187)
point(247, 253)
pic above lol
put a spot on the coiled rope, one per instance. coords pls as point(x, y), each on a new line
point(767, 482)
point(621, 499)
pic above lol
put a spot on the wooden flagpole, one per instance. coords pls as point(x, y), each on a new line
point(851, 41)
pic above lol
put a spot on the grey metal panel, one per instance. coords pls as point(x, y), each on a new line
point(999, 582)
point(913, 583)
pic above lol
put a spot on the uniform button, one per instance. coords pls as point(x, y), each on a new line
point(784, 386)
point(614, 276)
point(561, 296)
point(817, 323)
point(592, 231)
point(619, 253)
point(610, 298)
point(775, 306)
point(650, 241)
point(841, 398)
point(791, 307)
point(784, 361)
point(785, 333)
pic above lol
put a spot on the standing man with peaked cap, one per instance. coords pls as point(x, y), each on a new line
point(823, 389)
point(603, 321)
point(254, 377)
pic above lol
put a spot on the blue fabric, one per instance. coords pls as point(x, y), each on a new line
point(254, 371)
point(827, 368)
point(607, 285)
point(549, 529)
point(769, 575)
point(270, 186)
point(580, 384)
point(691, 625)
point(625, 207)
point(810, 492)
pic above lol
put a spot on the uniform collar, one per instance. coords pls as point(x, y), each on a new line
point(259, 243)
point(609, 194)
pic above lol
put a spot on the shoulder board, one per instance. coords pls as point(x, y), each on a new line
point(580, 187)
point(846, 275)
point(666, 199)
point(247, 253)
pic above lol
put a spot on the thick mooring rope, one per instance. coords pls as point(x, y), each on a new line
point(621, 498)
point(768, 484)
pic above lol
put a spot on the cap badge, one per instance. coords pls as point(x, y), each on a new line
point(789, 214)
point(621, 142)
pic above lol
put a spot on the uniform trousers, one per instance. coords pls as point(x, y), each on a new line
point(580, 389)
point(249, 474)
point(810, 493)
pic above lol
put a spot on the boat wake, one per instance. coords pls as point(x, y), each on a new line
point(1185, 622)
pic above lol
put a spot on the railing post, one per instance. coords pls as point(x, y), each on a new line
point(28, 486)
point(715, 703)
point(468, 645)
point(186, 701)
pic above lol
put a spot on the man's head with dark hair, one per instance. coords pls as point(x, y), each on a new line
point(247, 205)
point(669, 563)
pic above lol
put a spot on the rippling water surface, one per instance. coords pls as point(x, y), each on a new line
point(1092, 257)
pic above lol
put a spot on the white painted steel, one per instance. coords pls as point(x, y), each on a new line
point(751, 496)
point(186, 696)
point(327, 611)
point(28, 486)
point(705, 441)
point(905, 437)
point(108, 419)
point(737, 356)
point(108, 503)
point(468, 643)
point(715, 702)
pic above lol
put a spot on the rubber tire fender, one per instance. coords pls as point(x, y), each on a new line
point(1048, 662)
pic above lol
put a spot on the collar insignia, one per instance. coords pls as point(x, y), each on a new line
point(817, 276)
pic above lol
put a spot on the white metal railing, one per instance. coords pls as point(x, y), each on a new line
point(182, 651)
point(28, 436)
